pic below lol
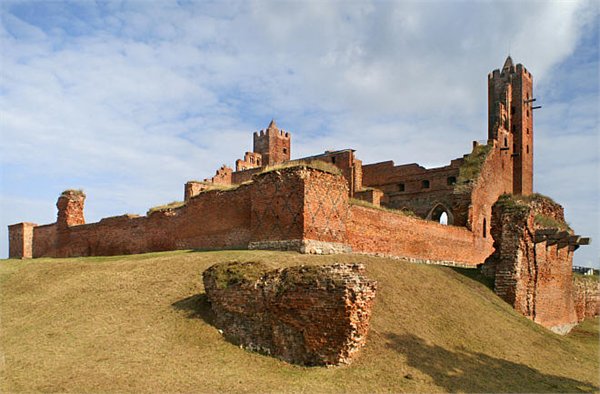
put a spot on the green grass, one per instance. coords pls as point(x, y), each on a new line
point(142, 324)
point(234, 272)
point(521, 205)
point(166, 207)
point(366, 204)
point(76, 192)
point(548, 222)
point(316, 164)
point(471, 167)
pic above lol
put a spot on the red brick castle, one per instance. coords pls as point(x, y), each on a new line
point(270, 202)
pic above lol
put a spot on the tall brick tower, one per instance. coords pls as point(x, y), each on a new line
point(510, 120)
point(273, 144)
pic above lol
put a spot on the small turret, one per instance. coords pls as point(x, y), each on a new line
point(273, 144)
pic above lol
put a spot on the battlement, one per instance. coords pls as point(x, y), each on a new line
point(279, 133)
point(273, 144)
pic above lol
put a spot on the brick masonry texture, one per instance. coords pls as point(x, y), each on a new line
point(389, 233)
point(309, 315)
point(586, 296)
point(534, 277)
point(266, 205)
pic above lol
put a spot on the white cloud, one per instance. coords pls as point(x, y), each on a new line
point(129, 100)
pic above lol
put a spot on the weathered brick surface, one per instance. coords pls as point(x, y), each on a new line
point(296, 208)
point(45, 240)
point(20, 240)
point(376, 231)
point(311, 315)
point(325, 206)
point(535, 278)
point(211, 220)
point(510, 91)
point(277, 206)
point(273, 144)
point(404, 186)
point(586, 297)
point(493, 181)
point(193, 188)
point(70, 209)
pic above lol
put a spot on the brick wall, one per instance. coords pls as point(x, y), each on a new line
point(317, 315)
point(494, 180)
point(20, 240)
point(70, 208)
point(277, 205)
point(45, 240)
point(299, 208)
point(377, 231)
point(346, 161)
point(586, 296)
point(532, 275)
point(211, 220)
point(294, 208)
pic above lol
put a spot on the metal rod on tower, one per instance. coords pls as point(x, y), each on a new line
point(536, 107)
point(530, 100)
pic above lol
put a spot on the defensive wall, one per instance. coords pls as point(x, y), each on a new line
point(532, 260)
point(586, 296)
point(295, 208)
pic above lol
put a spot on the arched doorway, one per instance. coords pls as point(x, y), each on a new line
point(441, 214)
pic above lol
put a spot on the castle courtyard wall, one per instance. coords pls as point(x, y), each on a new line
point(389, 233)
point(45, 240)
point(586, 296)
point(211, 220)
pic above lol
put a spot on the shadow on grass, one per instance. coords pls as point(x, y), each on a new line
point(467, 371)
point(197, 307)
point(476, 275)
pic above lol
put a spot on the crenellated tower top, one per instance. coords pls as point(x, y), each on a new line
point(273, 144)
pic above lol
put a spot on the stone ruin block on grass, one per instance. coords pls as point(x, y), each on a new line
point(309, 315)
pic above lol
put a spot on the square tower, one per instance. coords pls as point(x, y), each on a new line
point(510, 120)
point(273, 144)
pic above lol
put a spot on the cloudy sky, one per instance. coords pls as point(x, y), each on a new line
point(129, 100)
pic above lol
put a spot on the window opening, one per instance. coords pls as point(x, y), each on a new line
point(444, 218)
point(451, 180)
point(441, 214)
point(401, 187)
point(425, 184)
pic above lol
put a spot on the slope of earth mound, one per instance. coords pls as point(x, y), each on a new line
point(142, 324)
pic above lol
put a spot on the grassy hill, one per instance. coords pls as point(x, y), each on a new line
point(141, 324)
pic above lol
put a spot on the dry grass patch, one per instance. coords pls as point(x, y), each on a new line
point(142, 324)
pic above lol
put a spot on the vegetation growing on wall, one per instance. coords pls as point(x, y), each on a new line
point(317, 165)
point(471, 167)
point(73, 192)
point(548, 222)
point(166, 207)
point(522, 204)
point(366, 204)
point(235, 272)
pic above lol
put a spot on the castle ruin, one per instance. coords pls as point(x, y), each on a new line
point(271, 202)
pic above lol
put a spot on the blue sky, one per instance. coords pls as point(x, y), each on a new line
point(129, 100)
